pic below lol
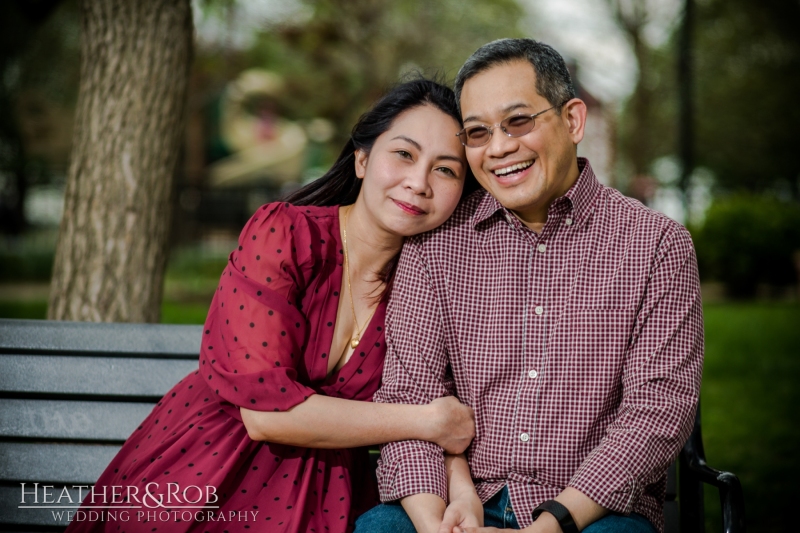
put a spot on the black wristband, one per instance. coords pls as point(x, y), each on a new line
point(561, 513)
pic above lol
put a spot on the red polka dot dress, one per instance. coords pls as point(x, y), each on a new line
point(265, 347)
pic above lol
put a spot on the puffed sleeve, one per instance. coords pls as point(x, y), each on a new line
point(255, 334)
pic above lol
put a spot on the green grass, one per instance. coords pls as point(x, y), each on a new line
point(750, 400)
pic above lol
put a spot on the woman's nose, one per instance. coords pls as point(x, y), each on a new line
point(418, 181)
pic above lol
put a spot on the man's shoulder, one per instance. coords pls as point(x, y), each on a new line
point(630, 213)
point(458, 227)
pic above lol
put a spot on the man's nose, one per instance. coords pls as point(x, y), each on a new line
point(500, 144)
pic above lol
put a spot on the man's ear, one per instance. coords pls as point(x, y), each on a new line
point(574, 114)
point(361, 163)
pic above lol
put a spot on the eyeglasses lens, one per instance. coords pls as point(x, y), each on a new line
point(517, 125)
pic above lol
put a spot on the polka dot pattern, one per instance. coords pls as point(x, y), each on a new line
point(261, 352)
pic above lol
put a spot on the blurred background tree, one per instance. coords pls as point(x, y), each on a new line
point(112, 247)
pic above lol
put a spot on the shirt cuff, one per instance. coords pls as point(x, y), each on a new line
point(603, 479)
point(418, 467)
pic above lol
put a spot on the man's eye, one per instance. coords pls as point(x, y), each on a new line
point(477, 133)
point(518, 121)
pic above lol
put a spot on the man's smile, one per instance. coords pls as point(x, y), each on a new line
point(513, 168)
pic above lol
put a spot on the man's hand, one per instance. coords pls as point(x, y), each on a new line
point(463, 512)
point(546, 523)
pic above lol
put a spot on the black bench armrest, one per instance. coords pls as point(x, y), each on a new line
point(693, 473)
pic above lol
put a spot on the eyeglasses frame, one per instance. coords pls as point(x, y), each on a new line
point(490, 129)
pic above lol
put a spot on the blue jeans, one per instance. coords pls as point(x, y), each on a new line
point(497, 512)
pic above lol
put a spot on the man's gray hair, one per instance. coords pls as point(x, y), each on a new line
point(552, 76)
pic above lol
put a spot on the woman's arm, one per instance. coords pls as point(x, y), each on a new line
point(465, 508)
point(326, 422)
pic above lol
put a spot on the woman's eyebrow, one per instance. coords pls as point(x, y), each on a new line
point(409, 140)
point(448, 157)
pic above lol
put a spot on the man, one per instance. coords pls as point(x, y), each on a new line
point(567, 315)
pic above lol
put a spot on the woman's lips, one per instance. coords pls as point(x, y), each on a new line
point(408, 208)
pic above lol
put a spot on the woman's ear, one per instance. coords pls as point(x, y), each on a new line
point(361, 163)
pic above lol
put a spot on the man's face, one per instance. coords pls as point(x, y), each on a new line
point(524, 173)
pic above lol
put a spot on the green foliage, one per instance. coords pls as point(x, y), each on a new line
point(745, 82)
point(340, 60)
point(748, 77)
point(748, 239)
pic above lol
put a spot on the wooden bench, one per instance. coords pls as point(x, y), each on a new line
point(71, 393)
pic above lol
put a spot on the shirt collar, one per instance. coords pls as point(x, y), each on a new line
point(580, 196)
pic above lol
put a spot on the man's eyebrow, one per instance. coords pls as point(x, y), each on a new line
point(506, 110)
point(409, 140)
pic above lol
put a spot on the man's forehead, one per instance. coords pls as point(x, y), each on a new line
point(499, 90)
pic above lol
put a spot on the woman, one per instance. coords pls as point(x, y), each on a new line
point(262, 435)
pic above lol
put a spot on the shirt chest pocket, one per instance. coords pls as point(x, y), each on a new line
point(591, 346)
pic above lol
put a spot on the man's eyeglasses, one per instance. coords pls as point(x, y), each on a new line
point(513, 126)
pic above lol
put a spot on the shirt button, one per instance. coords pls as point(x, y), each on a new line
point(539, 310)
point(532, 374)
point(508, 219)
point(542, 248)
point(524, 437)
point(568, 222)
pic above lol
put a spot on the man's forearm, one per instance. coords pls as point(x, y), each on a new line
point(425, 511)
point(583, 509)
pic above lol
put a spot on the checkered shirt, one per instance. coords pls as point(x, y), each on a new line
point(580, 349)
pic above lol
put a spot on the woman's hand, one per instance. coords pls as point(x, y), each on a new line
point(465, 511)
point(451, 424)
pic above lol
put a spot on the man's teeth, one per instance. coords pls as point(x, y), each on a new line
point(513, 168)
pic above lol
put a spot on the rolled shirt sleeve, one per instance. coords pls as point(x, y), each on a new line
point(415, 372)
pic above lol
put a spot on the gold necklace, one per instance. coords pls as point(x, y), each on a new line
point(359, 330)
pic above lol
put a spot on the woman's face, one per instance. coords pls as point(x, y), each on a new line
point(414, 174)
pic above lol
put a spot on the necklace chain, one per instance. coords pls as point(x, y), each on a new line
point(359, 329)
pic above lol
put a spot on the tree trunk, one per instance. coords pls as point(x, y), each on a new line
point(112, 246)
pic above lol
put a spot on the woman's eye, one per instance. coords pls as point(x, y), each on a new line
point(403, 153)
point(447, 171)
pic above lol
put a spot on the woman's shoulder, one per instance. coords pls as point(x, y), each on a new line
point(301, 235)
point(289, 220)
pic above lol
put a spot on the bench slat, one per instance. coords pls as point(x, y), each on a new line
point(44, 336)
point(51, 419)
point(54, 462)
point(94, 376)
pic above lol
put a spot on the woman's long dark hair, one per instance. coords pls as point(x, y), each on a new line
point(340, 186)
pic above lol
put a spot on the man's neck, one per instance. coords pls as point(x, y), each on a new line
point(536, 217)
